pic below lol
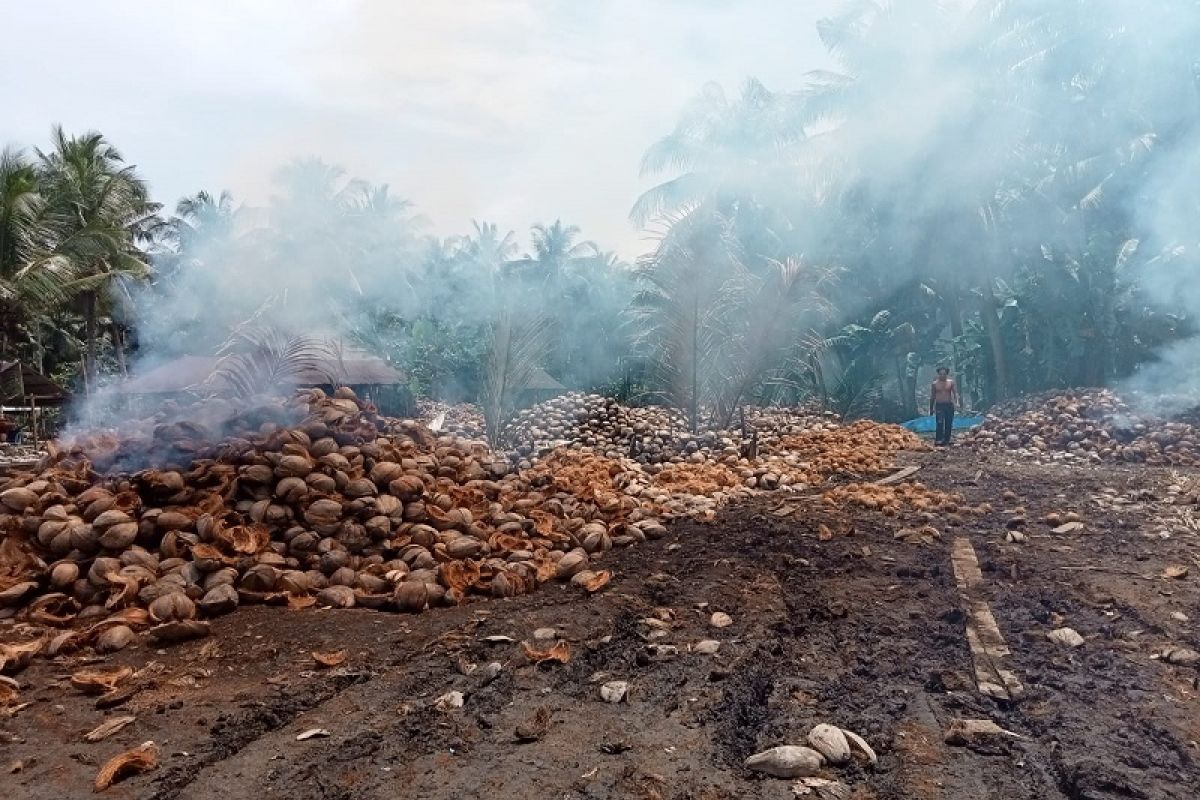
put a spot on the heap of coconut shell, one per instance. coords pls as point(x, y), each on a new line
point(650, 436)
point(1091, 424)
point(344, 508)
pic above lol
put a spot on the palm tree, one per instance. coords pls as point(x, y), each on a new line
point(555, 249)
point(685, 310)
point(20, 206)
point(733, 154)
point(487, 247)
point(85, 247)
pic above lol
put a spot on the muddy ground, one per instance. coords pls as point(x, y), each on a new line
point(864, 631)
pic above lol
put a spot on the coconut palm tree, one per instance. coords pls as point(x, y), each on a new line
point(20, 206)
point(555, 251)
point(487, 248)
point(85, 247)
point(734, 154)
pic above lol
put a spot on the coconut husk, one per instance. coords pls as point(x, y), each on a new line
point(331, 659)
point(100, 679)
point(559, 652)
point(131, 762)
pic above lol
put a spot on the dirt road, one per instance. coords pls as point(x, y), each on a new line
point(863, 630)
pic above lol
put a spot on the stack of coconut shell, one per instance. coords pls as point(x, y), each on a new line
point(651, 436)
point(461, 419)
point(344, 508)
point(1090, 424)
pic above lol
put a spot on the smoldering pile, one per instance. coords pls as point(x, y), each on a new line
point(1093, 425)
point(345, 508)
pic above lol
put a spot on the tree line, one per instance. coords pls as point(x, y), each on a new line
point(1006, 187)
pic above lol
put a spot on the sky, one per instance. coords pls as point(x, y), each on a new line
point(512, 111)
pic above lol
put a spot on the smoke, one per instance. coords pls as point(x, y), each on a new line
point(1015, 140)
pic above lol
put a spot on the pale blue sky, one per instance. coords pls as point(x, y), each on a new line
point(515, 111)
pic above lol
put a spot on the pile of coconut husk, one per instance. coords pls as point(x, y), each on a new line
point(1087, 424)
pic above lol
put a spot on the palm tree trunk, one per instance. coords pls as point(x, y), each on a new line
point(988, 309)
point(694, 410)
point(819, 379)
point(118, 341)
point(907, 388)
point(90, 315)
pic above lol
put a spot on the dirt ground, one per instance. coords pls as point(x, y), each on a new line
point(864, 631)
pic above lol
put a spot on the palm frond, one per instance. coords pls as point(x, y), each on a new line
point(517, 347)
point(260, 359)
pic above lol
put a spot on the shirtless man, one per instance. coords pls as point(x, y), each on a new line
point(943, 397)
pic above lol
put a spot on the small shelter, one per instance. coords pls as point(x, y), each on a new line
point(540, 386)
point(25, 393)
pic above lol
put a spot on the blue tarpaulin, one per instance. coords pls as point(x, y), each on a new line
point(929, 424)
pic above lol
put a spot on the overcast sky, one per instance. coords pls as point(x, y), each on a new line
point(514, 111)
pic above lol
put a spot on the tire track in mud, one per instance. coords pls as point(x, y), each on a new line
point(232, 733)
point(1096, 714)
point(875, 642)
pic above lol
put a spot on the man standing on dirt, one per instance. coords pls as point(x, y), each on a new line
point(943, 397)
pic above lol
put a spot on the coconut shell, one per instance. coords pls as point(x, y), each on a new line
point(114, 638)
point(411, 596)
point(294, 581)
point(786, 761)
point(171, 607)
point(336, 597)
point(573, 562)
point(463, 547)
point(830, 742)
point(407, 487)
point(114, 516)
point(178, 631)
point(18, 499)
point(64, 574)
point(218, 600)
point(260, 578)
point(120, 536)
point(17, 593)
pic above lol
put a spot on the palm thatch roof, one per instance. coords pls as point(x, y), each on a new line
point(354, 368)
point(20, 383)
point(541, 381)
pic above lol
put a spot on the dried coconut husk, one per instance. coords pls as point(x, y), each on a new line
point(15, 657)
point(131, 762)
point(330, 659)
point(54, 610)
point(592, 581)
point(246, 539)
point(99, 680)
point(9, 692)
point(560, 652)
